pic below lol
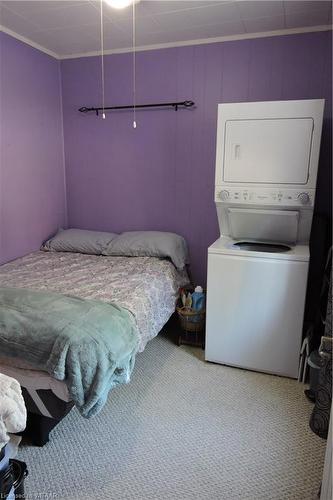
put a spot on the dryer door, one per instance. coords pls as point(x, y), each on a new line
point(268, 151)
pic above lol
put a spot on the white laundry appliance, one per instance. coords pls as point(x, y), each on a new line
point(266, 170)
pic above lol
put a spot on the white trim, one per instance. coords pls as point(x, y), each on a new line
point(29, 42)
point(201, 41)
point(326, 485)
point(204, 41)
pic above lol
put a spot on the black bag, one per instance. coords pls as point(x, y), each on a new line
point(13, 477)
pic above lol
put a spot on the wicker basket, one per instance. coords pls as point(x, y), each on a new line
point(190, 320)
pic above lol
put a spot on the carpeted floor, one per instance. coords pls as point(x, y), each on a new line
point(184, 429)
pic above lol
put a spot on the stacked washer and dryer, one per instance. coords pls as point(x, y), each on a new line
point(266, 171)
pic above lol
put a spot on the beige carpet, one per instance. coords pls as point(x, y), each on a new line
point(184, 429)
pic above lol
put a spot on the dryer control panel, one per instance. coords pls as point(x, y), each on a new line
point(265, 196)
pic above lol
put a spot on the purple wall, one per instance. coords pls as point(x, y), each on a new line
point(32, 188)
point(161, 175)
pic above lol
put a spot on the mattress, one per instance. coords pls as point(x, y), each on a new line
point(42, 393)
point(146, 286)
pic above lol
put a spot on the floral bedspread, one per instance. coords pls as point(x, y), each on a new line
point(147, 286)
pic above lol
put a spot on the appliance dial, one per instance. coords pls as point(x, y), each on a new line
point(224, 195)
point(304, 198)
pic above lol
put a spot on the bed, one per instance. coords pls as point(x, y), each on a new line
point(145, 286)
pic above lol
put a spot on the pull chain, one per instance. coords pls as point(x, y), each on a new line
point(134, 63)
point(102, 62)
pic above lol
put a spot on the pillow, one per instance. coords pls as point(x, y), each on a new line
point(151, 244)
point(79, 240)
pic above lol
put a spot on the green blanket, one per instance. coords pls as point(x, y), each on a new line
point(89, 344)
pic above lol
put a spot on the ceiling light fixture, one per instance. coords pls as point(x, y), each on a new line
point(121, 4)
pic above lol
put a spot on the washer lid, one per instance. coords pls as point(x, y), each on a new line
point(227, 246)
point(263, 225)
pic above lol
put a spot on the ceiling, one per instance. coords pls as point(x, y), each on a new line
point(71, 28)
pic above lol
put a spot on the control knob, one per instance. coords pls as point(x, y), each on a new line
point(304, 198)
point(224, 195)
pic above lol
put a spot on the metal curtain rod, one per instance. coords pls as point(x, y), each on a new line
point(175, 105)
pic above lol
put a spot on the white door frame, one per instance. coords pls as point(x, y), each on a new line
point(326, 486)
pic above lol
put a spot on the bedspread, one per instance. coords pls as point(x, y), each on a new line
point(147, 286)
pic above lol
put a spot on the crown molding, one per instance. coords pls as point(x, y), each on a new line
point(201, 41)
point(29, 42)
point(204, 41)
